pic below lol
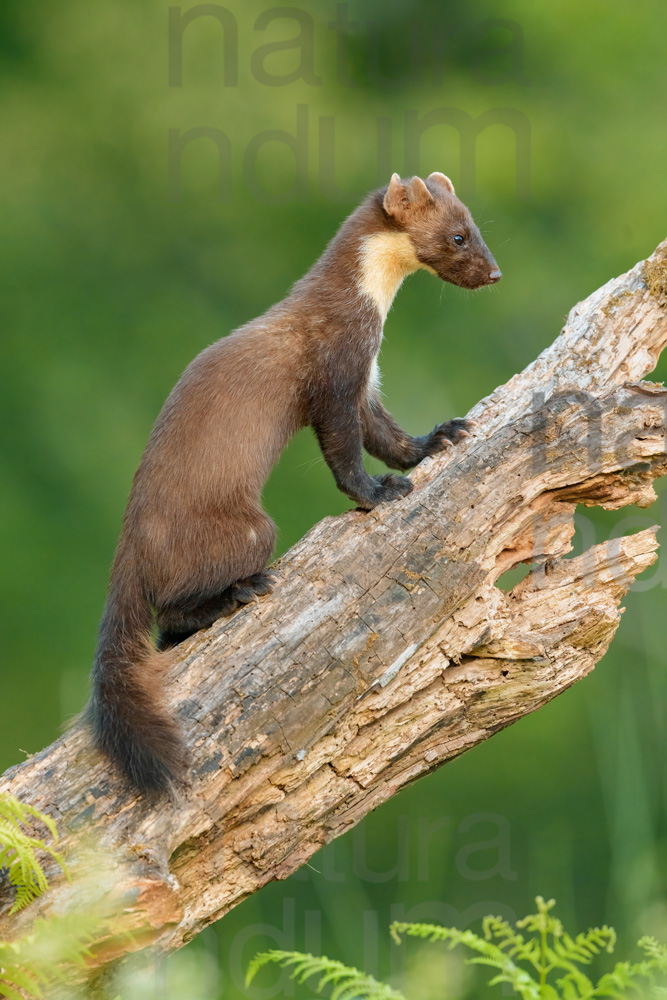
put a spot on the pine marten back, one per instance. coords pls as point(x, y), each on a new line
point(195, 540)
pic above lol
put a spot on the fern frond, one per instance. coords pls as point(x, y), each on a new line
point(12, 809)
point(655, 952)
point(542, 921)
point(585, 947)
point(488, 953)
point(575, 983)
point(626, 976)
point(14, 976)
point(45, 956)
point(502, 931)
point(349, 983)
point(18, 850)
point(431, 932)
point(551, 950)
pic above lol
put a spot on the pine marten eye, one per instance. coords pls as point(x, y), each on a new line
point(459, 240)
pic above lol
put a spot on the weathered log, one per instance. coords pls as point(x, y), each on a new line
point(386, 648)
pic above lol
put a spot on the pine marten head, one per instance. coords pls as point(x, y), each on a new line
point(441, 230)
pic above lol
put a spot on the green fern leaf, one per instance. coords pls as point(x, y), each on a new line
point(655, 952)
point(18, 850)
point(349, 983)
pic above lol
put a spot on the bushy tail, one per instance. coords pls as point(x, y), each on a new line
point(127, 722)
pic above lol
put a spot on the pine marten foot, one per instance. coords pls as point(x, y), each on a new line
point(387, 487)
point(445, 435)
point(245, 591)
point(178, 624)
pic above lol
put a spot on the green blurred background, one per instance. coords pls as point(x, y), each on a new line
point(109, 287)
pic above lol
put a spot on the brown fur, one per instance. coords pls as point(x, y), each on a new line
point(195, 539)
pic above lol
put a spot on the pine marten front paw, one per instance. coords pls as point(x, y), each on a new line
point(445, 435)
point(391, 487)
point(258, 585)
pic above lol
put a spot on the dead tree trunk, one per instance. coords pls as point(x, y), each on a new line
point(386, 648)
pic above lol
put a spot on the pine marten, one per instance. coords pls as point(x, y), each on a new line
point(195, 541)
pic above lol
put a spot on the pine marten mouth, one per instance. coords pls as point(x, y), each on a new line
point(492, 279)
point(466, 280)
point(476, 285)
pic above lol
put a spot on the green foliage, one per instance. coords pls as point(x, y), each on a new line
point(626, 976)
point(18, 850)
point(45, 956)
point(553, 957)
point(543, 963)
point(348, 983)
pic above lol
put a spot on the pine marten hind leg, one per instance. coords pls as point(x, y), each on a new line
point(178, 622)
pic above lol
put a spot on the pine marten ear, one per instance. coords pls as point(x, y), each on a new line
point(442, 181)
point(403, 197)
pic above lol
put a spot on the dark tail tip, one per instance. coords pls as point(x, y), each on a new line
point(130, 728)
point(149, 754)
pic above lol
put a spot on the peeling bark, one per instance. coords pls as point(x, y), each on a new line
point(387, 648)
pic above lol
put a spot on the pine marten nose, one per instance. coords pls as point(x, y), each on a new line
point(495, 276)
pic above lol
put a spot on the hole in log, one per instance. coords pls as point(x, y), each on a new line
point(511, 577)
point(594, 525)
